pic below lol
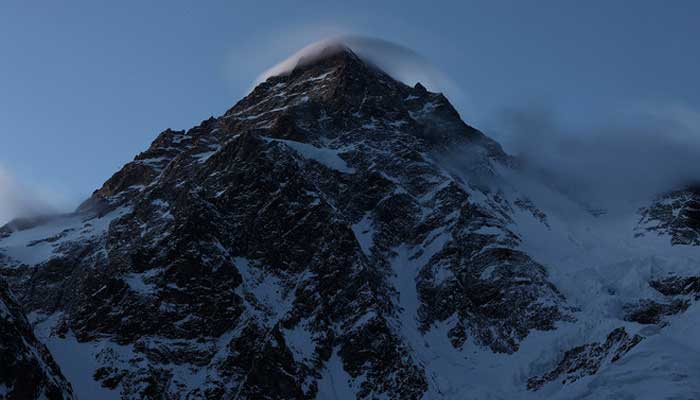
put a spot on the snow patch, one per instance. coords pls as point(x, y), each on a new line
point(41, 243)
point(300, 342)
point(269, 290)
point(137, 284)
point(336, 383)
point(327, 157)
point(78, 361)
point(364, 232)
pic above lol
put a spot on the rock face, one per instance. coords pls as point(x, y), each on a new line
point(27, 369)
point(676, 214)
point(335, 234)
point(588, 359)
point(652, 312)
point(678, 292)
point(678, 286)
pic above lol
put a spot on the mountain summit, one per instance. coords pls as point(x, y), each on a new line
point(335, 234)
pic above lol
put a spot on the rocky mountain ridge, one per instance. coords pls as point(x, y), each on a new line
point(315, 241)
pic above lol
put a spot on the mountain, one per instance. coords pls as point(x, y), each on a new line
point(339, 234)
point(28, 369)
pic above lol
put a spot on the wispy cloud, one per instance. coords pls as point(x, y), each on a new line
point(643, 150)
point(400, 62)
point(18, 200)
point(306, 42)
point(633, 156)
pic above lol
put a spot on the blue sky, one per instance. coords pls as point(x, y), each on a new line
point(84, 87)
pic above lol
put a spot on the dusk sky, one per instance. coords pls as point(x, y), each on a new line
point(85, 87)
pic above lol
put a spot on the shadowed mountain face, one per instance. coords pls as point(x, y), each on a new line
point(27, 370)
point(312, 242)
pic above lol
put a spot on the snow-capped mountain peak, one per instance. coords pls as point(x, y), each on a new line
point(337, 234)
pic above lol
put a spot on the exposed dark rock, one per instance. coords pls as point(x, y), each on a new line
point(678, 286)
point(27, 369)
point(652, 312)
point(587, 359)
point(676, 214)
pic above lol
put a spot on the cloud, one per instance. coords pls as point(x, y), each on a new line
point(275, 47)
point(18, 200)
point(398, 61)
point(626, 159)
point(643, 150)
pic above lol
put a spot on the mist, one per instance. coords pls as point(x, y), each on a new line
point(604, 162)
point(18, 200)
point(625, 159)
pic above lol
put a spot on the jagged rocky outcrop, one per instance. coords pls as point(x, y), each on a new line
point(652, 312)
point(312, 225)
point(676, 214)
point(587, 359)
point(678, 293)
point(678, 286)
point(27, 369)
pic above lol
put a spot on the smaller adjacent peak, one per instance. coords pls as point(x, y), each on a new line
point(420, 88)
